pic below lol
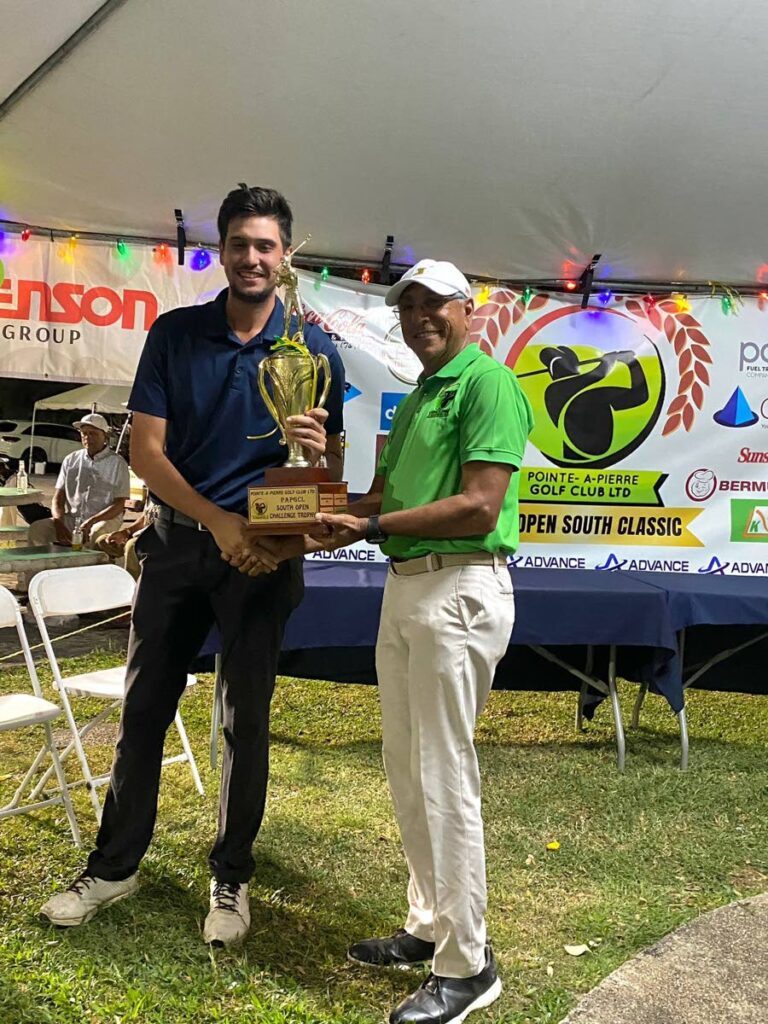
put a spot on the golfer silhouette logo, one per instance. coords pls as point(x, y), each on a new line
point(594, 402)
point(582, 413)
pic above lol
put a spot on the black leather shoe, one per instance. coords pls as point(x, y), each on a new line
point(450, 1000)
point(398, 950)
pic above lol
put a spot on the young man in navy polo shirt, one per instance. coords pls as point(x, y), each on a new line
point(195, 401)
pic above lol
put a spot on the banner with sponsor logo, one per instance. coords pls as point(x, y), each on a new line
point(650, 449)
point(81, 311)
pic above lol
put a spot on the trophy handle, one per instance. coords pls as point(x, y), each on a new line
point(268, 401)
point(323, 361)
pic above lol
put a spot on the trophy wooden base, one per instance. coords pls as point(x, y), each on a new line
point(290, 498)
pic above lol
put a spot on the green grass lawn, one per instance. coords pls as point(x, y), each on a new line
point(639, 854)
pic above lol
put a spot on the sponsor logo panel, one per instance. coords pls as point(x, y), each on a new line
point(389, 402)
point(749, 521)
point(70, 303)
point(612, 563)
point(714, 566)
point(753, 359)
point(547, 562)
point(737, 412)
point(751, 456)
point(703, 483)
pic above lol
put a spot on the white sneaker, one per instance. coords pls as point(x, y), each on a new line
point(85, 898)
point(229, 918)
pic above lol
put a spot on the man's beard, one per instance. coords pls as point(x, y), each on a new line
point(252, 298)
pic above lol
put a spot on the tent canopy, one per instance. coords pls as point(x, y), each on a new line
point(103, 398)
point(515, 138)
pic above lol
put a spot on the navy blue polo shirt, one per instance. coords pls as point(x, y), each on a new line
point(195, 373)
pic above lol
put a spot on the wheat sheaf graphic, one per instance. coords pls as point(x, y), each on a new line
point(492, 320)
point(691, 346)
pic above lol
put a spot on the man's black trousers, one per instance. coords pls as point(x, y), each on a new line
point(183, 589)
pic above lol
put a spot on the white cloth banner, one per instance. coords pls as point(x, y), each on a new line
point(650, 449)
point(81, 312)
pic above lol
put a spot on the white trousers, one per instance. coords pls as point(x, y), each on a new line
point(42, 531)
point(441, 636)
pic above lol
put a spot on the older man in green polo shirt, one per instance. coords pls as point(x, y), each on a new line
point(444, 506)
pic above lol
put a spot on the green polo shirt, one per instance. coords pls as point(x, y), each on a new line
point(471, 410)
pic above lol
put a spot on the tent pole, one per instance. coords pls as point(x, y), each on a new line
point(32, 441)
point(122, 432)
point(81, 33)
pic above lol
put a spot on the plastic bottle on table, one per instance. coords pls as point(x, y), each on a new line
point(22, 480)
point(77, 535)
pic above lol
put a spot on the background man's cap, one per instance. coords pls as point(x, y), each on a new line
point(440, 277)
point(93, 419)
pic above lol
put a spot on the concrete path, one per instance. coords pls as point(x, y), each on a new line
point(713, 970)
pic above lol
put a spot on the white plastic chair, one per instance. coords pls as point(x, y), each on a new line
point(75, 591)
point(21, 710)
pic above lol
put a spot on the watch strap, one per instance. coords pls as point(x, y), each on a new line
point(374, 533)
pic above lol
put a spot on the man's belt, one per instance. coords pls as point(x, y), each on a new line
point(433, 562)
point(172, 516)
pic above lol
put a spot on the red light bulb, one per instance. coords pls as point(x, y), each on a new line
point(365, 277)
point(25, 235)
point(570, 286)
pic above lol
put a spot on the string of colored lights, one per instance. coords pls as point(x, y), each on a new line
point(731, 296)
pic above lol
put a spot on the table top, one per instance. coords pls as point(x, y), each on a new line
point(555, 607)
point(15, 496)
point(47, 556)
point(708, 599)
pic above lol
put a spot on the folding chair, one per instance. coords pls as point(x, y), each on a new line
point(75, 591)
point(21, 710)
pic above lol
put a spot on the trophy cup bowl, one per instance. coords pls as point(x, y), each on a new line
point(294, 493)
point(293, 376)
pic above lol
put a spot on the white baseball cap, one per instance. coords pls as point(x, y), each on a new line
point(439, 276)
point(93, 419)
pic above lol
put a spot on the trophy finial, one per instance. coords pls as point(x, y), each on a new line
point(287, 278)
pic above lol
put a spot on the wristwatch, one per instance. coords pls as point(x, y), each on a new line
point(374, 533)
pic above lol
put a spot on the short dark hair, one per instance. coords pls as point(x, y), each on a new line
point(247, 201)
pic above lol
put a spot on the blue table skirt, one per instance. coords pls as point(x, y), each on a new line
point(332, 634)
point(720, 613)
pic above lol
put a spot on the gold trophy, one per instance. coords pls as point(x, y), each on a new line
point(294, 493)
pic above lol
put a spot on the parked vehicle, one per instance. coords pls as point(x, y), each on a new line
point(52, 441)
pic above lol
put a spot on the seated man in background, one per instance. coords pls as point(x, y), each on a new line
point(91, 490)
